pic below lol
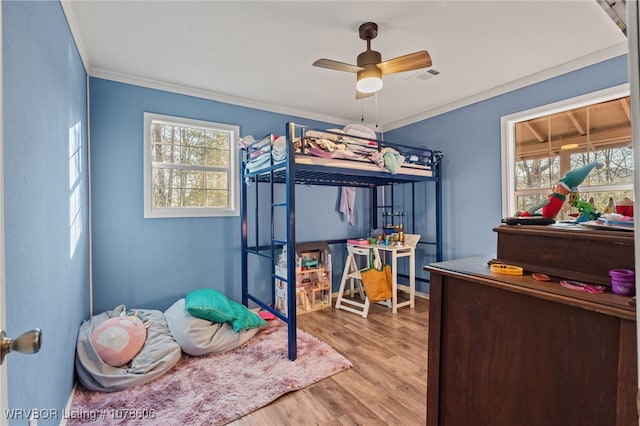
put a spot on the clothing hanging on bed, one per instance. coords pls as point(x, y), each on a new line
point(348, 203)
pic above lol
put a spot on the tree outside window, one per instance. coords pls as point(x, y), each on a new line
point(191, 167)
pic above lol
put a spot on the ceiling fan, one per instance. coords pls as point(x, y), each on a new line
point(370, 68)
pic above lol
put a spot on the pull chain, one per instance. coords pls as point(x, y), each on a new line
point(376, 98)
point(362, 117)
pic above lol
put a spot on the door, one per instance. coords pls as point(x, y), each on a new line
point(4, 397)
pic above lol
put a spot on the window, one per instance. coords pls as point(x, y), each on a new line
point(539, 146)
point(190, 168)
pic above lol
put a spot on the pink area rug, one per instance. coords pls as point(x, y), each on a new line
point(214, 389)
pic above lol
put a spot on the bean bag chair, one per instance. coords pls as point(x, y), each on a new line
point(107, 341)
point(199, 336)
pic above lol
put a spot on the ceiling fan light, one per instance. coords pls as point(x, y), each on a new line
point(369, 79)
point(369, 84)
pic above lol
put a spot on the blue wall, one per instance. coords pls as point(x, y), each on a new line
point(46, 199)
point(470, 139)
point(151, 263)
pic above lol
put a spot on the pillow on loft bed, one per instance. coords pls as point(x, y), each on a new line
point(199, 336)
point(158, 355)
point(360, 130)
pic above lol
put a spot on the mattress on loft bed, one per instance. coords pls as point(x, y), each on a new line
point(341, 150)
point(405, 168)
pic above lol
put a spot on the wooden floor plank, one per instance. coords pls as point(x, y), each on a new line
point(388, 381)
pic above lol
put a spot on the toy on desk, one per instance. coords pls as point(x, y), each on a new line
point(587, 210)
point(502, 268)
point(539, 276)
point(624, 207)
point(610, 207)
point(378, 235)
point(589, 288)
point(550, 207)
point(358, 241)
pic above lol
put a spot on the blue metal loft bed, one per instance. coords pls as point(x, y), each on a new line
point(298, 167)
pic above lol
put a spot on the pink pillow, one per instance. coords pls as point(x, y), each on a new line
point(118, 340)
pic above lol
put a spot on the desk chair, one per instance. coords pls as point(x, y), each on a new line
point(352, 274)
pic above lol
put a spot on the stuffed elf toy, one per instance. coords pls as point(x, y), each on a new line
point(550, 207)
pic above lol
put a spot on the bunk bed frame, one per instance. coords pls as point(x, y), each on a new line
point(295, 170)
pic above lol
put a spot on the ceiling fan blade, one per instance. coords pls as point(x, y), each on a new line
point(361, 95)
point(412, 61)
point(335, 65)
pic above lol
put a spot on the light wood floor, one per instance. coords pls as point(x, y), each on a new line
point(387, 384)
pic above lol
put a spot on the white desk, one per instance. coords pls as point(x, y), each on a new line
point(396, 252)
point(399, 252)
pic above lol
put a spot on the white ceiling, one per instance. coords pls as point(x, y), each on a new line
point(259, 54)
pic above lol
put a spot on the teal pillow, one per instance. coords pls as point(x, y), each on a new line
point(209, 304)
point(245, 319)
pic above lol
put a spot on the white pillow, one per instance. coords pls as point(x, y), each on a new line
point(199, 336)
point(360, 130)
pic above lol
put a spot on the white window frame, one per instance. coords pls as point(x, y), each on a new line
point(508, 135)
point(170, 212)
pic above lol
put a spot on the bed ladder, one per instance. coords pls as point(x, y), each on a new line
point(266, 176)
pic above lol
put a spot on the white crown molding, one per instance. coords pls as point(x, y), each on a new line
point(602, 55)
point(75, 33)
point(176, 88)
point(206, 94)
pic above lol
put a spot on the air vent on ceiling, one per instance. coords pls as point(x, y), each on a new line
point(426, 74)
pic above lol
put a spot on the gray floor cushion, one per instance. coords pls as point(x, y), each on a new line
point(198, 336)
point(159, 353)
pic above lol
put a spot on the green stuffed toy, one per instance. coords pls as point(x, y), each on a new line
point(587, 210)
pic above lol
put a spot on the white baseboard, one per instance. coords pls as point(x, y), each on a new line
point(67, 408)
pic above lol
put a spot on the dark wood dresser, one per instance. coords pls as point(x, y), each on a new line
point(508, 350)
point(572, 252)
